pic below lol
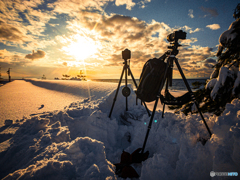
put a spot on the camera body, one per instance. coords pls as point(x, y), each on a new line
point(126, 54)
point(176, 36)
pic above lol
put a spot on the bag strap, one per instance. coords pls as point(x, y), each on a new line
point(169, 99)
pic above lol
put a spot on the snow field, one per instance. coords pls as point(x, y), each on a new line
point(82, 142)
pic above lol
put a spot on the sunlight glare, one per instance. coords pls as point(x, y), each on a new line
point(82, 47)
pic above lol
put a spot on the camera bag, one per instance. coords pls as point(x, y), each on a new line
point(151, 78)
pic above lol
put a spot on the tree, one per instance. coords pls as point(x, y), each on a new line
point(224, 83)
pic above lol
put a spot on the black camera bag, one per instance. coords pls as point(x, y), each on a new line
point(151, 78)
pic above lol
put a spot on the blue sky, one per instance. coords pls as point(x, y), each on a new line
point(55, 37)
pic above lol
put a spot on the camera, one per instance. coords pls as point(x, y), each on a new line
point(176, 36)
point(126, 54)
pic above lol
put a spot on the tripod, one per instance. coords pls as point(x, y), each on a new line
point(168, 76)
point(126, 54)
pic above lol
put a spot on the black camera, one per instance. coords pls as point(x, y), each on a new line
point(176, 36)
point(126, 54)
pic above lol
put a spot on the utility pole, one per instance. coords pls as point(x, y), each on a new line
point(9, 77)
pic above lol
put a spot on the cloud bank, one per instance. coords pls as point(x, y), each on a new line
point(21, 25)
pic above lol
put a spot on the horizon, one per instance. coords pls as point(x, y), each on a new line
point(55, 38)
point(12, 79)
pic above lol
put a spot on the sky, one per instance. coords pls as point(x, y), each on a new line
point(55, 37)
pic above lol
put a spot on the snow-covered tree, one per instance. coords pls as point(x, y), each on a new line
point(224, 83)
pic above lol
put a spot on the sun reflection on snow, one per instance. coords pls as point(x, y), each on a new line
point(83, 45)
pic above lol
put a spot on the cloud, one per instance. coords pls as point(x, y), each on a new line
point(210, 11)
point(21, 24)
point(145, 40)
point(64, 63)
point(213, 26)
point(196, 30)
point(190, 30)
point(72, 7)
point(12, 59)
point(36, 55)
point(113, 31)
point(10, 33)
point(129, 3)
point(190, 13)
point(4, 52)
point(191, 60)
point(209, 63)
point(210, 60)
point(142, 3)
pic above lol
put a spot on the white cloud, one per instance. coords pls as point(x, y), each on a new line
point(193, 31)
point(213, 26)
point(190, 13)
point(190, 30)
point(142, 3)
point(129, 3)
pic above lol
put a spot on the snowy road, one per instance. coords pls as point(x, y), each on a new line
point(23, 98)
point(20, 98)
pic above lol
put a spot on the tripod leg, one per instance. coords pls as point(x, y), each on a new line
point(126, 84)
point(115, 98)
point(155, 106)
point(163, 110)
point(192, 95)
point(149, 125)
point(146, 108)
point(129, 70)
point(168, 78)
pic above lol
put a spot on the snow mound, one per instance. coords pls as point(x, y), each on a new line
point(43, 149)
point(82, 142)
point(225, 76)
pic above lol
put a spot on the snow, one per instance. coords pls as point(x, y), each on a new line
point(211, 83)
point(80, 141)
point(227, 36)
point(236, 86)
point(214, 74)
point(23, 98)
point(224, 75)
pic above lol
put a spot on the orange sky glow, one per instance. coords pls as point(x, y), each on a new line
point(54, 38)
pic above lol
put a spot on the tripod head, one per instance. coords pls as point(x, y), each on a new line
point(173, 39)
point(126, 54)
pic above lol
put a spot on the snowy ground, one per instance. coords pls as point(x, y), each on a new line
point(66, 134)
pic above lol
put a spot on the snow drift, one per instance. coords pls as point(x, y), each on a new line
point(81, 142)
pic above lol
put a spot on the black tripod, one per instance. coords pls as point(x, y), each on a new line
point(168, 76)
point(126, 54)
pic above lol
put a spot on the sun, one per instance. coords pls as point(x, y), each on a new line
point(82, 47)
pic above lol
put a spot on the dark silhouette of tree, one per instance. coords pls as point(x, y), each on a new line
point(224, 83)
